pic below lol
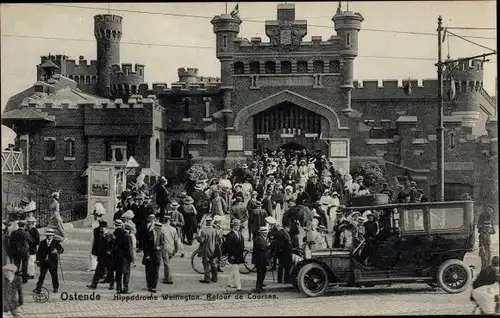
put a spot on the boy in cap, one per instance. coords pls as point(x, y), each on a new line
point(47, 258)
point(33, 245)
point(12, 290)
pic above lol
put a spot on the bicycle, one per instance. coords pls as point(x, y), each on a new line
point(251, 267)
point(197, 264)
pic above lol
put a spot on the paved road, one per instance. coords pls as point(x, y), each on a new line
point(399, 299)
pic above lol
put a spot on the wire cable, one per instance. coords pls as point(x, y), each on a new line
point(203, 47)
point(472, 42)
point(244, 20)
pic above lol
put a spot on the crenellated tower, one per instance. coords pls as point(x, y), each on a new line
point(347, 26)
point(108, 33)
point(469, 95)
point(226, 29)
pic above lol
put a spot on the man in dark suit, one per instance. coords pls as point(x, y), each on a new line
point(103, 253)
point(162, 199)
point(267, 203)
point(12, 290)
point(314, 189)
point(201, 202)
point(123, 256)
point(33, 246)
point(20, 240)
point(283, 251)
point(153, 250)
point(260, 257)
point(47, 258)
point(235, 245)
point(258, 217)
point(251, 206)
point(302, 197)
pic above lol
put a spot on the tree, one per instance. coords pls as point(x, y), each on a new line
point(372, 173)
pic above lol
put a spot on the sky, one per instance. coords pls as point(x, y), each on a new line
point(153, 37)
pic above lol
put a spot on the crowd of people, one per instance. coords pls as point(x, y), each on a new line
point(276, 199)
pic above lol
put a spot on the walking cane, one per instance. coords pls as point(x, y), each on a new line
point(62, 273)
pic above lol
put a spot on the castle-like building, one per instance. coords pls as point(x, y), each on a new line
point(285, 92)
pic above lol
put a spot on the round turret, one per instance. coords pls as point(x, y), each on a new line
point(108, 33)
point(347, 25)
point(226, 29)
point(189, 75)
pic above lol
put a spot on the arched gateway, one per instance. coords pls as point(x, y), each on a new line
point(288, 117)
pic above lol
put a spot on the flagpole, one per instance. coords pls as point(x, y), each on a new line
point(226, 7)
point(440, 128)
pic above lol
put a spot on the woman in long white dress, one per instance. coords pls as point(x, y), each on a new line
point(55, 221)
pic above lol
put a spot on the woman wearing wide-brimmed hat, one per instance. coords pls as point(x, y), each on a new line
point(311, 167)
point(190, 221)
point(55, 221)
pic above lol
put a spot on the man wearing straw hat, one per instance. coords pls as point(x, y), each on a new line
point(260, 257)
point(235, 247)
point(33, 245)
point(208, 237)
point(47, 258)
point(153, 251)
point(177, 221)
point(123, 256)
point(12, 291)
point(170, 247)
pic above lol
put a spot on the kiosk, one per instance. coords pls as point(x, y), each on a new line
point(106, 181)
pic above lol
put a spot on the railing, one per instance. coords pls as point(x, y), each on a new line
point(72, 206)
point(12, 161)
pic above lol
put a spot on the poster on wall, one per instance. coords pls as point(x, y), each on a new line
point(100, 182)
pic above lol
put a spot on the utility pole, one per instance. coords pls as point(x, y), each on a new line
point(440, 127)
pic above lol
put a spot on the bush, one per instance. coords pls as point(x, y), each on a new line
point(372, 172)
point(202, 170)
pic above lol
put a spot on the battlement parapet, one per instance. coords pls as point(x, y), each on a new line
point(82, 68)
point(54, 58)
point(226, 23)
point(394, 89)
point(125, 80)
point(244, 45)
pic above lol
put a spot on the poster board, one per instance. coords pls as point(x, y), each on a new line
point(339, 154)
point(104, 183)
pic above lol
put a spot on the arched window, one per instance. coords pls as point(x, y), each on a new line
point(348, 39)
point(270, 67)
point(302, 67)
point(157, 148)
point(318, 67)
point(334, 66)
point(177, 149)
point(254, 67)
point(286, 67)
point(239, 68)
